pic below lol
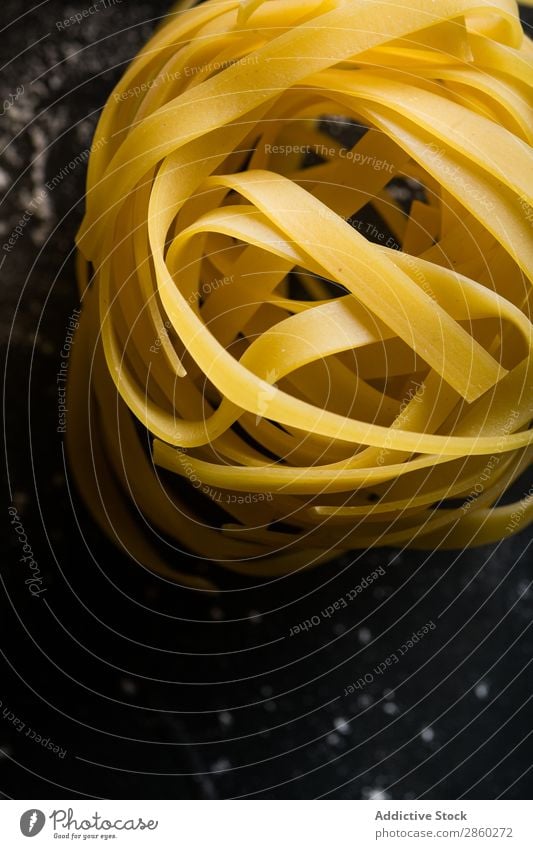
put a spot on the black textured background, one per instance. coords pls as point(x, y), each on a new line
point(160, 692)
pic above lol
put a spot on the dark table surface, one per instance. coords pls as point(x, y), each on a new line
point(148, 690)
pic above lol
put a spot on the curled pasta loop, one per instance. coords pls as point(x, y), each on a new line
point(305, 268)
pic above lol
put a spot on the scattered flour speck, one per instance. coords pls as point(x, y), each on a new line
point(482, 690)
point(365, 635)
point(222, 765)
point(341, 725)
point(376, 793)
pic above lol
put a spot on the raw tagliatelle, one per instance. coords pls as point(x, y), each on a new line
point(305, 270)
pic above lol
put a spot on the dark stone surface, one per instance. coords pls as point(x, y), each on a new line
point(159, 692)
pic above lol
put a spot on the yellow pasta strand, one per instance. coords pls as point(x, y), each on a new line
point(305, 269)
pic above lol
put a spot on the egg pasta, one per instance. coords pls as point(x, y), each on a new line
point(305, 270)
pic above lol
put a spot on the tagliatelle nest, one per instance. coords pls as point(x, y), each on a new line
point(309, 243)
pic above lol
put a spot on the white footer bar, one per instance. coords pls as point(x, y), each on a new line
point(269, 824)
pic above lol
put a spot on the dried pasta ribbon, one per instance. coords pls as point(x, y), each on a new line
point(305, 268)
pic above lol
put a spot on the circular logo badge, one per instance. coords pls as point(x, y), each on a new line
point(32, 822)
